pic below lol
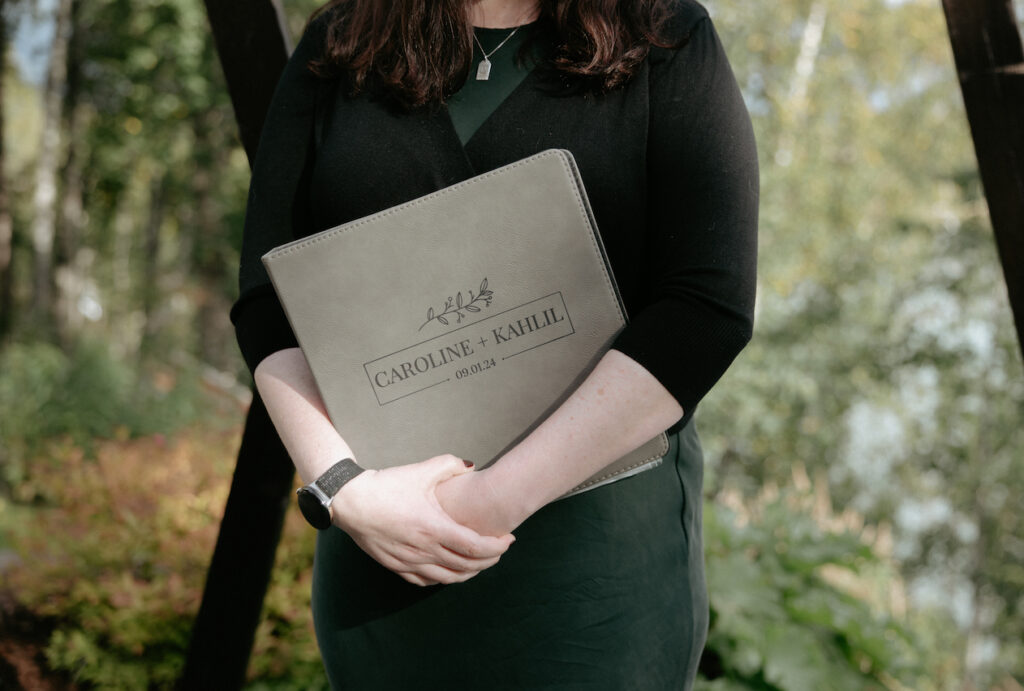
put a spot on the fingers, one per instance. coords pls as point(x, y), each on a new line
point(462, 540)
point(445, 466)
point(457, 562)
point(415, 537)
point(441, 566)
point(415, 579)
point(423, 568)
point(431, 574)
point(410, 557)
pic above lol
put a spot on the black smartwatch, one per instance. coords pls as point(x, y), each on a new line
point(316, 497)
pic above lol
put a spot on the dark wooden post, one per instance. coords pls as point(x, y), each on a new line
point(990, 64)
point(253, 48)
point(253, 45)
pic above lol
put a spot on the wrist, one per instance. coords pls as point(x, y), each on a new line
point(345, 505)
point(512, 507)
point(315, 498)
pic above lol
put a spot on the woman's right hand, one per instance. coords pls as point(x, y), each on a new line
point(393, 514)
point(395, 517)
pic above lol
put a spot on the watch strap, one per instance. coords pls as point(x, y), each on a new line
point(335, 477)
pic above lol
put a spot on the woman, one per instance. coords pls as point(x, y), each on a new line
point(603, 590)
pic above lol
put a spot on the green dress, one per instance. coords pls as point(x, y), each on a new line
point(602, 591)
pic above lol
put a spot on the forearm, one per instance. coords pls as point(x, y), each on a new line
point(293, 401)
point(618, 407)
point(393, 514)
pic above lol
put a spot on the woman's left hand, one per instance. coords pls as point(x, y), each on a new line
point(470, 500)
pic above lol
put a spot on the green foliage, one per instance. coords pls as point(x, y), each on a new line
point(119, 562)
point(778, 619)
point(120, 556)
point(884, 356)
point(89, 394)
point(45, 393)
point(285, 656)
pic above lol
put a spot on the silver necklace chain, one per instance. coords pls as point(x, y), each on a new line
point(483, 70)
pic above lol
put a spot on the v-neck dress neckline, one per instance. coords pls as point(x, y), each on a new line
point(470, 94)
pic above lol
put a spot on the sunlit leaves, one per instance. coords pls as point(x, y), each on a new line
point(884, 353)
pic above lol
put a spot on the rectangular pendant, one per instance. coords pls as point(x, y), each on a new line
point(483, 70)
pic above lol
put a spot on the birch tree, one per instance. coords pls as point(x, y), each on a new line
point(45, 196)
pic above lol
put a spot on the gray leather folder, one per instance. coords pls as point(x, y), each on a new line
point(457, 322)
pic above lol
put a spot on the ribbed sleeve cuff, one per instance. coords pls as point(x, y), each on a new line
point(261, 326)
point(687, 346)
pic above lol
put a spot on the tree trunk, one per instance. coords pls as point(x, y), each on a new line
point(69, 273)
point(253, 49)
point(208, 247)
point(125, 278)
point(806, 61)
point(6, 223)
point(45, 197)
point(151, 252)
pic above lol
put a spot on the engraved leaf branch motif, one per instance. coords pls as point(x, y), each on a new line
point(458, 306)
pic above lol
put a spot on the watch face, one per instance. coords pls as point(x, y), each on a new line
point(314, 512)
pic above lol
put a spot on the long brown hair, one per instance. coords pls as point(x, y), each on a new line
point(419, 51)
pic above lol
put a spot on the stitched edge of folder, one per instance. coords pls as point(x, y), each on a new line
point(352, 225)
point(571, 171)
point(607, 476)
point(596, 243)
point(588, 216)
point(611, 477)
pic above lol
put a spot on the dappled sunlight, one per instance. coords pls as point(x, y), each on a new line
point(864, 453)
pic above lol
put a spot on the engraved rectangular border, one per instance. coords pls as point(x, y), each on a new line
point(366, 365)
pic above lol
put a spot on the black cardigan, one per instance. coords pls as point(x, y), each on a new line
point(668, 161)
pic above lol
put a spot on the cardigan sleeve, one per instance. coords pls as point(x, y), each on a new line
point(277, 209)
point(703, 191)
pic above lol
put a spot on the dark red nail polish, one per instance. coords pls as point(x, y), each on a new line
point(469, 464)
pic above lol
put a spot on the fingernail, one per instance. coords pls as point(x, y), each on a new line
point(469, 464)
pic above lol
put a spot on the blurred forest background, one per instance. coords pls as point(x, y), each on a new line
point(865, 454)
